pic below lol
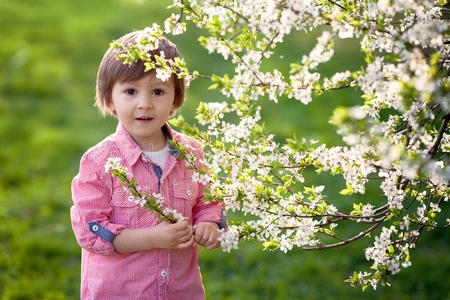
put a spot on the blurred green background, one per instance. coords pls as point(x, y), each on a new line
point(49, 54)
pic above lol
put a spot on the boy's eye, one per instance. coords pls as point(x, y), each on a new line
point(130, 91)
point(158, 92)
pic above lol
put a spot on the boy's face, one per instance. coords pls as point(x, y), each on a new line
point(143, 107)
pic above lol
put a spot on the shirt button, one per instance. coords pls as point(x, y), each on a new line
point(189, 192)
point(163, 273)
point(95, 228)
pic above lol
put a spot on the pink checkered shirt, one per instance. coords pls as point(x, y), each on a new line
point(101, 210)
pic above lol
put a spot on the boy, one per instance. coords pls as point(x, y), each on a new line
point(127, 253)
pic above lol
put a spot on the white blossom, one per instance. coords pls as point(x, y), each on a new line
point(113, 163)
point(388, 134)
point(163, 74)
point(170, 211)
point(229, 239)
point(159, 199)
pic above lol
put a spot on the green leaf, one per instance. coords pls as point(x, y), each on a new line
point(389, 217)
point(213, 86)
point(340, 115)
point(271, 245)
point(347, 191)
point(391, 249)
point(178, 122)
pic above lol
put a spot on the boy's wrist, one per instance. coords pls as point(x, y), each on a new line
point(207, 222)
point(150, 239)
point(210, 222)
point(132, 240)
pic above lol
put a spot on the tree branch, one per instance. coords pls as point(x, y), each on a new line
point(362, 234)
point(440, 135)
point(267, 47)
point(337, 4)
point(236, 13)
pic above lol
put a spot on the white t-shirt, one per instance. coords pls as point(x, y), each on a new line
point(158, 157)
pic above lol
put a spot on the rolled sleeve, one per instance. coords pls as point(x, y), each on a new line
point(91, 210)
point(211, 212)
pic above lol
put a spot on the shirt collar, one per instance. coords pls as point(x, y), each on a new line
point(131, 150)
point(169, 134)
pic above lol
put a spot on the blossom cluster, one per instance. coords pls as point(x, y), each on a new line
point(397, 136)
point(154, 203)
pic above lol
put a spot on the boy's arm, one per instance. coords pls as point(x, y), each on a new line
point(90, 215)
point(163, 235)
point(91, 210)
point(209, 212)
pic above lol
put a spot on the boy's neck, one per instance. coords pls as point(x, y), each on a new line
point(156, 145)
point(155, 148)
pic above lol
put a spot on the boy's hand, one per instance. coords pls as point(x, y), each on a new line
point(207, 234)
point(174, 236)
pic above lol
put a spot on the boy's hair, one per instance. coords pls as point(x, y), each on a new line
point(112, 70)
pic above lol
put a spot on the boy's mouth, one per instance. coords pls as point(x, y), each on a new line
point(144, 119)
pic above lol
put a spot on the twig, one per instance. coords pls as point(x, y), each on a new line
point(440, 135)
point(415, 197)
point(181, 15)
point(340, 6)
point(362, 234)
point(267, 47)
point(237, 13)
point(333, 236)
point(431, 225)
point(408, 138)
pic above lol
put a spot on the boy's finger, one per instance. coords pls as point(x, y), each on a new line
point(205, 237)
point(214, 245)
point(200, 237)
point(183, 239)
point(185, 231)
point(212, 239)
point(181, 226)
point(186, 244)
point(183, 234)
point(199, 232)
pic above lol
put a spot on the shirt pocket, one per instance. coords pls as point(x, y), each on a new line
point(127, 212)
point(185, 194)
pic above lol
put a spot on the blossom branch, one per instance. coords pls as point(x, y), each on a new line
point(345, 242)
point(435, 147)
point(152, 203)
point(236, 13)
point(389, 138)
point(337, 4)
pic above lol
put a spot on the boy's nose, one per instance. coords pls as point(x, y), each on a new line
point(145, 102)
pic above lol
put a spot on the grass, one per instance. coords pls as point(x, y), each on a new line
point(49, 54)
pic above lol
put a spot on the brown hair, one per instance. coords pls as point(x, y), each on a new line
point(112, 70)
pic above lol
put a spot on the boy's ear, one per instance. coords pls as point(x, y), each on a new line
point(111, 107)
point(173, 110)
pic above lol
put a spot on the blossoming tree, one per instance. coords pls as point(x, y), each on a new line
point(398, 136)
